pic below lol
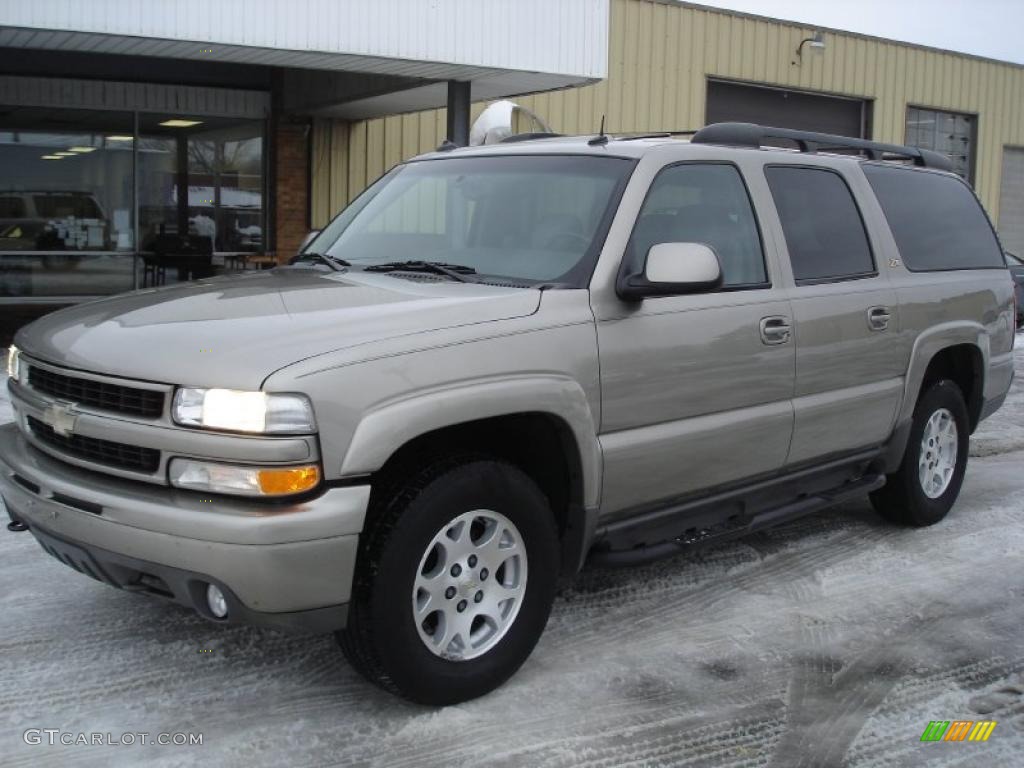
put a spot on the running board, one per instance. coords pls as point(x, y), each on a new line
point(734, 526)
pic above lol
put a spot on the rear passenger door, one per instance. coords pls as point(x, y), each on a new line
point(849, 366)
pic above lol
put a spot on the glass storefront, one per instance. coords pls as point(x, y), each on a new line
point(200, 196)
point(66, 217)
point(98, 202)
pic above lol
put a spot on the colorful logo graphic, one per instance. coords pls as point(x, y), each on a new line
point(958, 730)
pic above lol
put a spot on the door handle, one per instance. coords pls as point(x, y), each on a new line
point(878, 318)
point(775, 329)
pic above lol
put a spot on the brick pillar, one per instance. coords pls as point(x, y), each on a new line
point(291, 167)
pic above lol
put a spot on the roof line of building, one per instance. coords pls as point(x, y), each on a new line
point(836, 31)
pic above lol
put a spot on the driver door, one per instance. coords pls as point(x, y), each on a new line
point(696, 389)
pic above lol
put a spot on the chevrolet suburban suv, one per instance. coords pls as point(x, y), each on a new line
point(500, 362)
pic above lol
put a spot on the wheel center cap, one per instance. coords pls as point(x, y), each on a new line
point(467, 586)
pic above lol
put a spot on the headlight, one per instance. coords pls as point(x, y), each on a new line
point(243, 411)
point(13, 362)
point(242, 480)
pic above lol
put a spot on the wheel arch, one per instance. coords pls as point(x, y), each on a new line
point(541, 425)
point(959, 352)
point(956, 351)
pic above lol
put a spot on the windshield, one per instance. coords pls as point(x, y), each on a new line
point(521, 218)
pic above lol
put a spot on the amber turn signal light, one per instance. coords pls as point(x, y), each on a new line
point(277, 482)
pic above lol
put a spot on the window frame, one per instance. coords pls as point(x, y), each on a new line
point(625, 268)
point(874, 272)
point(947, 174)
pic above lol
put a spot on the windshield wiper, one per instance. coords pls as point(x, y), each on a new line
point(454, 271)
point(338, 265)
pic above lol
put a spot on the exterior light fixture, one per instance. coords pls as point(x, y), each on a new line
point(120, 138)
point(81, 150)
point(178, 122)
point(816, 41)
point(64, 154)
point(52, 157)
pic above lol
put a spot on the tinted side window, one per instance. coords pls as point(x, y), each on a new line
point(935, 219)
point(702, 204)
point(824, 231)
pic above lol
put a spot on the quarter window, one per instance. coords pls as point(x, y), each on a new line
point(824, 231)
point(935, 219)
point(693, 203)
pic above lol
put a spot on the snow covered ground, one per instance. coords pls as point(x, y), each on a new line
point(830, 641)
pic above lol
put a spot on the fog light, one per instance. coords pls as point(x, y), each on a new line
point(216, 602)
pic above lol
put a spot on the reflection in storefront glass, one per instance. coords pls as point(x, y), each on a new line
point(200, 195)
point(70, 199)
point(66, 203)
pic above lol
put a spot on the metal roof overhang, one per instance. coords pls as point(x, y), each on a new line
point(357, 59)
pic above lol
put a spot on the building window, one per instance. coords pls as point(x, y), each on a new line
point(66, 209)
point(75, 184)
point(950, 133)
point(200, 193)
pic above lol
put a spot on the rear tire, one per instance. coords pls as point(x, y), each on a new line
point(441, 610)
point(925, 487)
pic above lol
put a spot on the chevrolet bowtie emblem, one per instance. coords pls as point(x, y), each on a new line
point(61, 417)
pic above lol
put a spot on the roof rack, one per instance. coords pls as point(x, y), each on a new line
point(752, 135)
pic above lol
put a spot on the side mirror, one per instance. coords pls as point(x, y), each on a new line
point(310, 236)
point(671, 269)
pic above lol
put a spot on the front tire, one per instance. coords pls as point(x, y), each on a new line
point(454, 583)
point(925, 487)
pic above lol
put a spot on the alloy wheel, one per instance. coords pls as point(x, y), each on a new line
point(469, 585)
point(937, 459)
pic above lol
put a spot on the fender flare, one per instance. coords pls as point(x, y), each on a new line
point(393, 423)
point(929, 344)
point(926, 346)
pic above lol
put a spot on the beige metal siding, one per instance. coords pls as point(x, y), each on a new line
point(662, 54)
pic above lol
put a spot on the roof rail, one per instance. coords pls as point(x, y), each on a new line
point(516, 137)
point(752, 135)
point(652, 135)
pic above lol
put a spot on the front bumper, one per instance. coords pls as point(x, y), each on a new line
point(285, 565)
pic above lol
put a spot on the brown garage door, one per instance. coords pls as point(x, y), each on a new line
point(781, 108)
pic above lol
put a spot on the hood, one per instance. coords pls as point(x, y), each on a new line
point(235, 331)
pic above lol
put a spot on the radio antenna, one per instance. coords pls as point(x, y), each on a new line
point(601, 138)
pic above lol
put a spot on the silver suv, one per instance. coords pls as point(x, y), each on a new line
point(499, 363)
